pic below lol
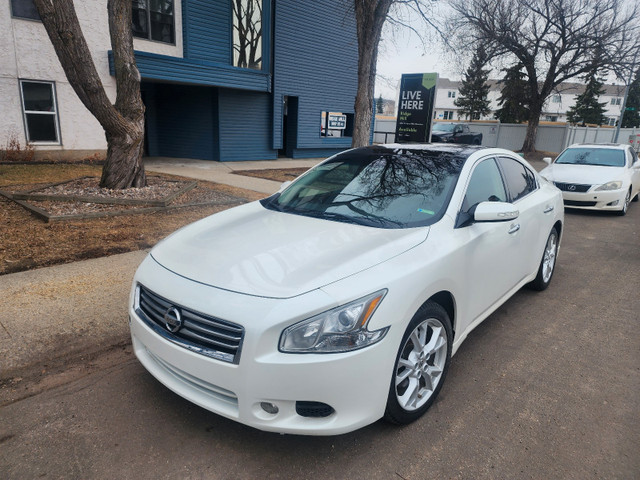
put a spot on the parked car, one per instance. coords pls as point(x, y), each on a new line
point(596, 176)
point(341, 299)
point(454, 133)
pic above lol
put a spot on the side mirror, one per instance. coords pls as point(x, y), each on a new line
point(547, 160)
point(495, 212)
point(284, 185)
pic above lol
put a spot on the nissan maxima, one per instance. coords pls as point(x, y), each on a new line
point(341, 299)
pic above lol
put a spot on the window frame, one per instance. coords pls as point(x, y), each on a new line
point(55, 113)
point(148, 37)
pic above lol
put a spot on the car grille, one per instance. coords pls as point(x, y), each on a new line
point(575, 203)
point(201, 333)
point(572, 187)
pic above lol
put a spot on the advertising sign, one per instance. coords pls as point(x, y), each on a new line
point(415, 107)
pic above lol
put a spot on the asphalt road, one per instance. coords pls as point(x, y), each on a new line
point(548, 387)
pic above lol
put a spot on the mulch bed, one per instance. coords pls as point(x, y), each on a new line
point(83, 198)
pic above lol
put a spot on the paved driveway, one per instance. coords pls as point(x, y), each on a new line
point(547, 387)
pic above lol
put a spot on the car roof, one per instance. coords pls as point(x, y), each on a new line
point(615, 146)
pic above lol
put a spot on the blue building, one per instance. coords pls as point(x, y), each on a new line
point(222, 80)
point(257, 79)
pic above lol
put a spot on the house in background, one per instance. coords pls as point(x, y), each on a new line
point(221, 80)
point(555, 108)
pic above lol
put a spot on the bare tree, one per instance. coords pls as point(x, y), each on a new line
point(371, 16)
point(123, 122)
point(554, 40)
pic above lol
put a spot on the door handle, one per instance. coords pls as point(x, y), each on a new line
point(548, 209)
point(514, 228)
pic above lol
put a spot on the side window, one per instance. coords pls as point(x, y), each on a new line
point(465, 129)
point(519, 179)
point(634, 156)
point(485, 185)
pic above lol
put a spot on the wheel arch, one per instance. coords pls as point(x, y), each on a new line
point(446, 300)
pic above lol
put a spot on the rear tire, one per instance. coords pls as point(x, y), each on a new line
point(421, 365)
point(547, 264)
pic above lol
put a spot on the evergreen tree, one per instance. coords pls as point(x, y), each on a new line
point(632, 114)
point(512, 101)
point(380, 104)
point(474, 91)
point(587, 108)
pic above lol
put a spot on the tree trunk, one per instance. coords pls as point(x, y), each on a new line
point(529, 144)
point(118, 170)
point(123, 122)
point(370, 17)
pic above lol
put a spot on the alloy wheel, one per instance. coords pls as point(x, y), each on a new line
point(421, 363)
point(549, 259)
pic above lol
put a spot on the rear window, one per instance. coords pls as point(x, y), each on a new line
point(604, 157)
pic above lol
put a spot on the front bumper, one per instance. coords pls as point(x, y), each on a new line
point(594, 200)
point(354, 384)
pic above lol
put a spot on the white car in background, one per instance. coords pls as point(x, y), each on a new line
point(341, 299)
point(596, 176)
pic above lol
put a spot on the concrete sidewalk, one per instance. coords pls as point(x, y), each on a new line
point(56, 313)
point(222, 172)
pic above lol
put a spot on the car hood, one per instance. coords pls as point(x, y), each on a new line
point(256, 251)
point(582, 174)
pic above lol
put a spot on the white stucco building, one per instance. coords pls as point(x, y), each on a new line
point(38, 105)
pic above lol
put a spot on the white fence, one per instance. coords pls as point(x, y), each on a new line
point(551, 138)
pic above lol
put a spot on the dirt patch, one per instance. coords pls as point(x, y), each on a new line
point(27, 242)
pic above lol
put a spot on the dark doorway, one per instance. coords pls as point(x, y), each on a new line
point(289, 126)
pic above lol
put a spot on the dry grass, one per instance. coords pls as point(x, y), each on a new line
point(27, 242)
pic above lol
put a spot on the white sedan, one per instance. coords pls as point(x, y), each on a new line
point(596, 176)
point(341, 299)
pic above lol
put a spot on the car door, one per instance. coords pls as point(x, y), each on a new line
point(487, 248)
point(531, 228)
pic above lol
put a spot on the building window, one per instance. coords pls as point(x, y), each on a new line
point(40, 111)
point(552, 118)
point(247, 33)
point(448, 115)
point(616, 101)
point(336, 124)
point(556, 99)
point(153, 20)
point(612, 121)
point(452, 94)
point(24, 9)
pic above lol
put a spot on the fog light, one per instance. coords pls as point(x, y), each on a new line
point(269, 408)
point(614, 203)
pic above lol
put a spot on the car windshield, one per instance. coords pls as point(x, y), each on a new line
point(443, 127)
point(606, 157)
point(379, 187)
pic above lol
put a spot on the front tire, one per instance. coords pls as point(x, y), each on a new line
point(548, 262)
point(625, 205)
point(421, 365)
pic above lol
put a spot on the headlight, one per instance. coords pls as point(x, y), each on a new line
point(609, 186)
point(339, 330)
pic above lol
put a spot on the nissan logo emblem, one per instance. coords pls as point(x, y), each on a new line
point(173, 319)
